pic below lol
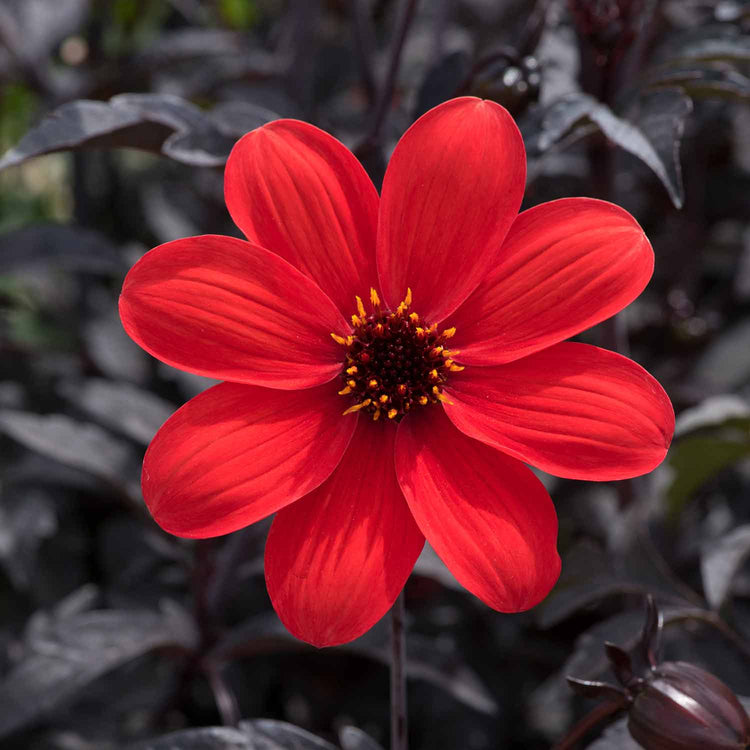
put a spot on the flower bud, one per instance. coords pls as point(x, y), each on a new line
point(683, 707)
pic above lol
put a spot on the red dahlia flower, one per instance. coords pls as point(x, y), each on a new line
point(368, 426)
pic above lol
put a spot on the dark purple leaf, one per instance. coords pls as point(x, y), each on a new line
point(80, 445)
point(121, 406)
point(653, 135)
point(717, 81)
point(152, 122)
point(65, 652)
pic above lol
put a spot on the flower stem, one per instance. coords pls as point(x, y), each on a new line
point(408, 9)
point(587, 723)
point(399, 726)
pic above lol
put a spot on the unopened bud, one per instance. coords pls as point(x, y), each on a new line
point(683, 707)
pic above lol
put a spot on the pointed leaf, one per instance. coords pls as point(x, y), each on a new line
point(161, 123)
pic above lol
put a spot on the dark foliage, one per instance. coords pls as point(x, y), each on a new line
point(115, 120)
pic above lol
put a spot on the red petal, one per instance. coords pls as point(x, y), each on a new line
point(337, 559)
point(564, 266)
point(236, 453)
point(486, 515)
point(451, 191)
point(227, 309)
point(573, 410)
point(296, 190)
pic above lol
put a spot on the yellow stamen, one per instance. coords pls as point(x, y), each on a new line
point(401, 389)
point(433, 375)
point(456, 368)
point(372, 383)
point(407, 299)
point(353, 370)
point(392, 413)
point(449, 332)
point(356, 321)
point(376, 415)
point(435, 391)
point(423, 400)
point(338, 339)
point(414, 318)
point(361, 308)
point(442, 397)
point(345, 391)
point(351, 383)
point(357, 407)
point(374, 297)
point(383, 399)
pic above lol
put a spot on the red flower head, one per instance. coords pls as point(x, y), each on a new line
point(391, 363)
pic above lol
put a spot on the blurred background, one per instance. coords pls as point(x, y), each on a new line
point(116, 117)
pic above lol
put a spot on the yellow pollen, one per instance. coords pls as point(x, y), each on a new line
point(357, 407)
point(393, 361)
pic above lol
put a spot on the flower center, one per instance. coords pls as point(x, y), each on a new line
point(394, 361)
